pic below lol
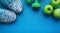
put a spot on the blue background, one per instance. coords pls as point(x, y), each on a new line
point(30, 21)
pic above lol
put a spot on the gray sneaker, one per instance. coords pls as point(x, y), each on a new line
point(7, 16)
point(14, 5)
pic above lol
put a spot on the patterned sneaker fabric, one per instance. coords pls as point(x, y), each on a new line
point(14, 5)
point(7, 16)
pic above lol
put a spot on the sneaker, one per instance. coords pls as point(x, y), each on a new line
point(14, 5)
point(7, 16)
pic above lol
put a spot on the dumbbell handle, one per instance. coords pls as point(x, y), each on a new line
point(36, 0)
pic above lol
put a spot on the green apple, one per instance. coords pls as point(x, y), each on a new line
point(59, 3)
point(28, 1)
point(55, 3)
point(56, 13)
point(36, 5)
point(48, 10)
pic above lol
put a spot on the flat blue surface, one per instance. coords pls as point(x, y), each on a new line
point(30, 21)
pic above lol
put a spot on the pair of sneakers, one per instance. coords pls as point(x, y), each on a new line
point(8, 16)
